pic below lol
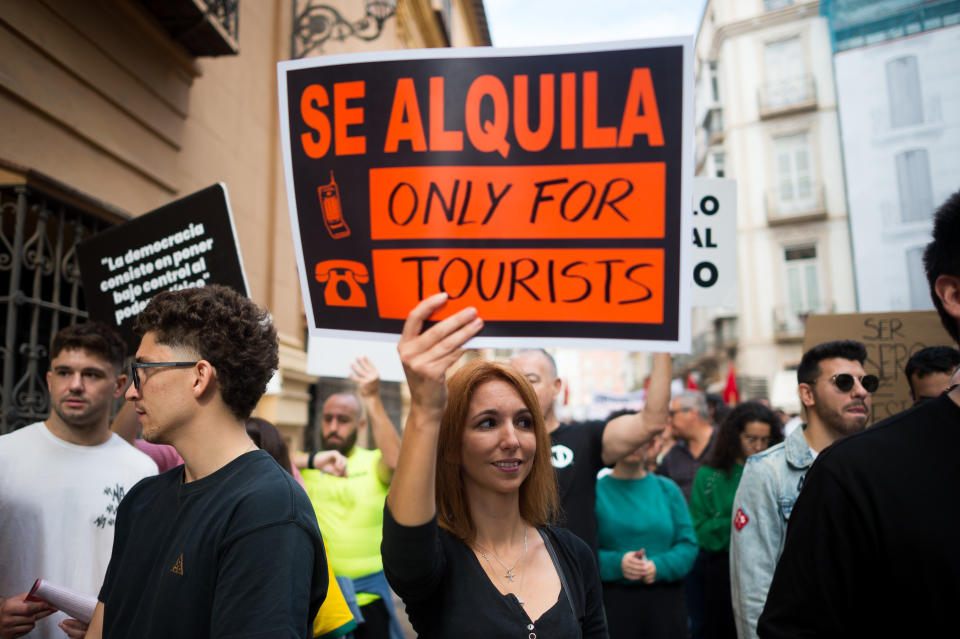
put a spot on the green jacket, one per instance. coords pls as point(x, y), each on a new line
point(711, 506)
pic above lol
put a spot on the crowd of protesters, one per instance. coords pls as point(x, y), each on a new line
point(489, 517)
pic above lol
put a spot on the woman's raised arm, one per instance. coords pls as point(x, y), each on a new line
point(426, 356)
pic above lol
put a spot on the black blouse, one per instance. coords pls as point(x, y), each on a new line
point(448, 594)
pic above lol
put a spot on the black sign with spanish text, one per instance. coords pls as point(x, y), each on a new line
point(189, 242)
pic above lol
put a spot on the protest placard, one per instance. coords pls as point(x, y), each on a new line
point(548, 187)
point(189, 242)
point(890, 339)
point(714, 242)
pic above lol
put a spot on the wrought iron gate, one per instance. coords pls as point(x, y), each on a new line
point(40, 275)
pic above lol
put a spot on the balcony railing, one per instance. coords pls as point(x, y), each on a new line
point(788, 95)
point(794, 203)
point(203, 27)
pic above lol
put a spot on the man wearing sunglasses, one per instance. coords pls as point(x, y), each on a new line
point(227, 544)
point(835, 394)
point(872, 548)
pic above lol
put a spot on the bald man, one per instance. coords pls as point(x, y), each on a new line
point(580, 450)
point(349, 504)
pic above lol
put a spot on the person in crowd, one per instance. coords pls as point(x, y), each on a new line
point(580, 450)
point(690, 425)
point(928, 371)
point(871, 550)
point(349, 505)
point(227, 544)
point(747, 429)
point(693, 440)
point(466, 540)
point(835, 394)
point(266, 436)
point(717, 408)
point(647, 547)
point(334, 618)
point(61, 481)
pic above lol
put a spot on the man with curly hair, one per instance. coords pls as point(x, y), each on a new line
point(226, 545)
point(871, 550)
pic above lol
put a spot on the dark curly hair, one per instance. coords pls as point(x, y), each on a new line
point(809, 369)
point(96, 337)
point(223, 327)
point(726, 445)
point(942, 256)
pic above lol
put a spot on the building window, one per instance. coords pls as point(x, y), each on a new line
point(773, 5)
point(903, 91)
point(785, 75)
point(914, 185)
point(719, 165)
point(919, 287)
point(794, 173)
point(803, 279)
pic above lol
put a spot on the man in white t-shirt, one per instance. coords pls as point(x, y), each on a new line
point(61, 482)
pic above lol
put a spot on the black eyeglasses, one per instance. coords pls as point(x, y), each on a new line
point(844, 381)
point(136, 376)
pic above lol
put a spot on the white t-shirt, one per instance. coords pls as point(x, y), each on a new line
point(58, 502)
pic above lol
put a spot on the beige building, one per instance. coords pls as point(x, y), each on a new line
point(111, 108)
point(766, 115)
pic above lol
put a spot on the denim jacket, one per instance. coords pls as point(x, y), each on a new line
point(768, 489)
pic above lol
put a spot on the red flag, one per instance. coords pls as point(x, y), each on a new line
point(691, 383)
point(731, 395)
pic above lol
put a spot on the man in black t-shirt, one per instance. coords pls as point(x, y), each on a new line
point(580, 450)
point(871, 548)
point(226, 544)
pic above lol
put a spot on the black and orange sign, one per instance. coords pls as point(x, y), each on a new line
point(547, 189)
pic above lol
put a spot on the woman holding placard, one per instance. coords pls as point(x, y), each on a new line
point(466, 543)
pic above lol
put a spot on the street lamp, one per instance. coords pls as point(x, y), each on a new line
point(315, 23)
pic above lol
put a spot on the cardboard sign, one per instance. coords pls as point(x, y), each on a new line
point(547, 187)
point(189, 242)
point(890, 339)
point(714, 242)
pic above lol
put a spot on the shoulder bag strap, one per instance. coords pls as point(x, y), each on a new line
point(563, 577)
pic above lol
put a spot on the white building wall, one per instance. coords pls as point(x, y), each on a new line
point(881, 238)
point(737, 37)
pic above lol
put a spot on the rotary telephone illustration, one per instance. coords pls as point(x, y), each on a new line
point(343, 279)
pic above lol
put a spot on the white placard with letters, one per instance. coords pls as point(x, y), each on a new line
point(714, 261)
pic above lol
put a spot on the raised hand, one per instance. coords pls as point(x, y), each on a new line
point(427, 355)
point(366, 375)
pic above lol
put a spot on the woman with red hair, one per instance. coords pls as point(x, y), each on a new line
point(466, 538)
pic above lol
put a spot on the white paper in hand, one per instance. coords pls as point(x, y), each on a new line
point(76, 604)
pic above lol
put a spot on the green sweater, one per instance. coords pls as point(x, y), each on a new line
point(711, 505)
point(648, 513)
